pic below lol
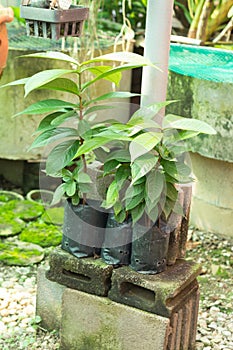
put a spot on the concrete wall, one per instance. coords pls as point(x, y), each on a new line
point(212, 156)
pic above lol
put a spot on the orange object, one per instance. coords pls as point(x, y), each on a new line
point(6, 15)
point(3, 47)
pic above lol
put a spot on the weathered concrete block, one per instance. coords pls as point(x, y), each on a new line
point(88, 274)
point(48, 301)
point(160, 294)
point(94, 323)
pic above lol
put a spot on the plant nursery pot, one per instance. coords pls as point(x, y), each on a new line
point(54, 24)
point(6, 196)
point(149, 250)
point(42, 196)
point(3, 47)
point(117, 242)
point(83, 229)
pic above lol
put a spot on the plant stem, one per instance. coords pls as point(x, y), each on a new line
point(193, 28)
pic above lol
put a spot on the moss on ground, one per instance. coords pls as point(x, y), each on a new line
point(10, 225)
point(42, 234)
point(25, 210)
point(20, 253)
point(54, 216)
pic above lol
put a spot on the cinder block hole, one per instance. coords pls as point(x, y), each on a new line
point(130, 289)
point(78, 276)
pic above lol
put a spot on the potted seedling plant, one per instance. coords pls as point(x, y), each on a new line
point(68, 125)
point(148, 171)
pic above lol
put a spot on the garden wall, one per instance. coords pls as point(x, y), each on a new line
point(211, 156)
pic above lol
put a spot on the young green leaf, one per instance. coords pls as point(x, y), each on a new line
point(46, 106)
point(121, 155)
point(60, 156)
point(70, 188)
point(114, 94)
point(54, 55)
point(137, 212)
point(134, 202)
point(144, 143)
point(176, 122)
point(62, 84)
point(41, 78)
point(112, 195)
point(154, 185)
point(110, 166)
point(142, 166)
point(58, 194)
point(84, 178)
point(52, 135)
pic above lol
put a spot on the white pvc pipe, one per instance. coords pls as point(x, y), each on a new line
point(157, 46)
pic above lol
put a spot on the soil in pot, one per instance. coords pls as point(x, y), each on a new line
point(83, 229)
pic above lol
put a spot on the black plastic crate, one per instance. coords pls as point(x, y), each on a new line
point(54, 23)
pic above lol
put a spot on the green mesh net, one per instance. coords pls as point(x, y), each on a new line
point(202, 62)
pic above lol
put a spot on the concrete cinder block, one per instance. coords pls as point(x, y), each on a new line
point(96, 323)
point(88, 274)
point(160, 294)
point(49, 301)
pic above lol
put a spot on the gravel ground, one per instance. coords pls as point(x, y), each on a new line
point(20, 328)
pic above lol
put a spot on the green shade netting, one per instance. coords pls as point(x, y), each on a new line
point(196, 61)
point(202, 62)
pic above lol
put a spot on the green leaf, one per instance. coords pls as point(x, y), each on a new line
point(52, 135)
point(117, 208)
point(144, 143)
point(53, 55)
point(120, 217)
point(85, 187)
point(63, 117)
point(45, 123)
point(172, 192)
point(47, 106)
point(128, 57)
point(122, 156)
point(84, 178)
point(154, 185)
point(70, 188)
point(176, 122)
point(142, 165)
point(62, 84)
point(114, 94)
point(110, 165)
point(140, 124)
point(58, 194)
point(97, 108)
point(153, 213)
point(15, 82)
point(148, 112)
point(134, 202)
point(99, 71)
point(177, 170)
point(113, 73)
point(179, 136)
point(98, 141)
point(134, 190)
point(137, 212)
point(61, 156)
point(41, 78)
point(122, 174)
point(112, 195)
point(83, 127)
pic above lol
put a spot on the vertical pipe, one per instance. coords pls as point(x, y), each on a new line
point(157, 46)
